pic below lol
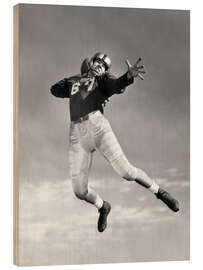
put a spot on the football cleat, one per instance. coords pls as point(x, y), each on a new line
point(104, 211)
point(166, 197)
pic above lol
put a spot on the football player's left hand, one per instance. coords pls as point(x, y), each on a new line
point(135, 70)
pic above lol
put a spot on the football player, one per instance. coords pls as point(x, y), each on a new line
point(90, 130)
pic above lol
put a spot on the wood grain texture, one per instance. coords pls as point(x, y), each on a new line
point(15, 137)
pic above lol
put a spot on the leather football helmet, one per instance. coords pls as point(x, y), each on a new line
point(104, 58)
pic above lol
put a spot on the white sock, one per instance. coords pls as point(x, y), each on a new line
point(99, 202)
point(154, 187)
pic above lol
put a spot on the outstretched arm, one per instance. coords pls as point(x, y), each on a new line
point(135, 70)
point(117, 86)
point(61, 89)
point(113, 85)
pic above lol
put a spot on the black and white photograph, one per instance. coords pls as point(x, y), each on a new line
point(102, 135)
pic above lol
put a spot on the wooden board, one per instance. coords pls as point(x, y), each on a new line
point(15, 126)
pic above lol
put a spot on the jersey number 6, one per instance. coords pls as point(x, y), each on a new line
point(75, 88)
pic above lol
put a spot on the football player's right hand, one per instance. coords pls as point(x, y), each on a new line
point(135, 70)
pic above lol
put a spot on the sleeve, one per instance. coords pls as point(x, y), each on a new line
point(113, 85)
point(61, 89)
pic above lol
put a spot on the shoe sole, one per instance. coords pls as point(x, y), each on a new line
point(106, 214)
point(176, 207)
point(168, 200)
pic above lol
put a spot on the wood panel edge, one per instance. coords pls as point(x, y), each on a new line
point(15, 134)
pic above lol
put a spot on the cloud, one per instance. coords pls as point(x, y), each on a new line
point(50, 217)
point(173, 183)
point(142, 217)
point(49, 207)
point(172, 171)
point(110, 182)
point(53, 221)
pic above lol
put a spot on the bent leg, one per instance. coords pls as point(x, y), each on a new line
point(80, 163)
point(108, 145)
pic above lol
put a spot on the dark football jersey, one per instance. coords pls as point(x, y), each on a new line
point(89, 94)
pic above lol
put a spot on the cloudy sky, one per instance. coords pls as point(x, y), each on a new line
point(151, 121)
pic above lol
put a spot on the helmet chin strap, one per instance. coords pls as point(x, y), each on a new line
point(91, 73)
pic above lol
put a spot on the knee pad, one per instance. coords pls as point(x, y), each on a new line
point(80, 191)
point(123, 167)
point(130, 173)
